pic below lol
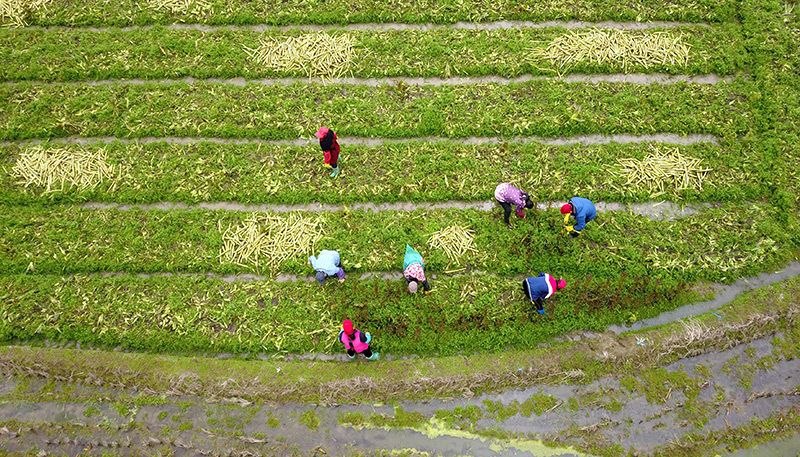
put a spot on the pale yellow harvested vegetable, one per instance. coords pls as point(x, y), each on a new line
point(54, 168)
point(267, 240)
point(190, 7)
point(14, 12)
point(663, 171)
point(315, 54)
point(615, 47)
point(454, 240)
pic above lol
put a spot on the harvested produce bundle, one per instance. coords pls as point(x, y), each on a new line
point(52, 168)
point(455, 241)
point(13, 12)
point(180, 6)
point(316, 54)
point(612, 46)
point(661, 170)
point(270, 237)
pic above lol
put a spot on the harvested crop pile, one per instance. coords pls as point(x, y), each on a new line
point(14, 12)
point(315, 54)
point(612, 46)
point(661, 171)
point(54, 168)
point(180, 6)
point(454, 240)
point(268, 240)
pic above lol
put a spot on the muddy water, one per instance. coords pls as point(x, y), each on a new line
point(732, 392)
point(789, 447)
point(588, 140)
point(657, 78)
point(496, 25)
point(723, 294)
point(661, 211)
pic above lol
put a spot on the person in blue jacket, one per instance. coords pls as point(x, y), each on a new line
point(582, 210)
point(327, 264)
point(541, 287)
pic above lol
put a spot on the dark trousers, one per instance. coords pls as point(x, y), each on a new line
point(506, 210)
point(367, 352)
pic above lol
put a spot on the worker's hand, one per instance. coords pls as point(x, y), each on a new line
point(520, 214)
point(574, 234)
point(327, 165)
point(569, 228)
point(369, 338)
point(341, 279)
point(427, 292)
point(566, 218)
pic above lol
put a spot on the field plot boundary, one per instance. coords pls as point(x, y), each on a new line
point(588, 140)
point(630, 78)
point(663, 210)
point(374, 26)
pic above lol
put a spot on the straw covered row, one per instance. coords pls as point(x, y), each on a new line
point(454, 240)
point(660, 171)
point(315, 54)
point(52, 169)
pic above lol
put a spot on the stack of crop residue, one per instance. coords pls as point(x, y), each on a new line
point(182, 7)
point(268, 240)
point(455, 241)
point(661, 171)
point(315, 54)
point(53, 168)
point(14, 12)
point(615, 47)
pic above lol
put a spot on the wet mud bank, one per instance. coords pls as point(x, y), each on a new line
point(633, 78)
point(661, 211)
point(588, 140)
point(495, 25)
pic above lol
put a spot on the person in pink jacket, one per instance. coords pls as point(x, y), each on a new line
point(508, 195)
point(356, 342)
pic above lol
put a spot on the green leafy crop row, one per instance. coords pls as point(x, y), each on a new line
point(129, 12)
point(185, 314)
point(70, 55)
point(547, 108)
point(417, 171)
point(730, 241)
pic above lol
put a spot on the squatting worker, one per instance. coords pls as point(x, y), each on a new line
point(508, 195)
point(327, 264)
point(414, 271)
point(582, 210)
point(356, 342)
point(541, 287)
point(328, 141)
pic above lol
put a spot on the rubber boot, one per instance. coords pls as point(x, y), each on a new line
point(374, 356)
point(335, 172)
point(352, 357)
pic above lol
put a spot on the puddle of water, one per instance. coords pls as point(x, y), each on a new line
point(789, 447)
point(723, 294)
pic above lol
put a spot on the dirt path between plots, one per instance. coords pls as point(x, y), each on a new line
point(657, 78)
point(496, 25)
point(587, 140)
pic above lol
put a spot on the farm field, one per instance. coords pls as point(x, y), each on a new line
point(161, 189)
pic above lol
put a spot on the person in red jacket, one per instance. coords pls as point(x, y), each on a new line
point(328, 141)
point(356, 342)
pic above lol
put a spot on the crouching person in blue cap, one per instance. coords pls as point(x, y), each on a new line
point(541, 287)
point(327, 264)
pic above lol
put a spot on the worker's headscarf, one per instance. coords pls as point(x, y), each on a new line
point(322, 132)
point(347, 326)
point(566, 209)
point(413, 286)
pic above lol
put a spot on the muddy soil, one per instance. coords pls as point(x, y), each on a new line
point(496, 25)
point(719, 390)
point(588, 140)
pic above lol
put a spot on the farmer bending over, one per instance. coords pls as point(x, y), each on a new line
point(539, 288)
point(356, 342)
point(414, 271)
point(583, 210)
point(327, 264)
point(506, 195)
point(330, 148)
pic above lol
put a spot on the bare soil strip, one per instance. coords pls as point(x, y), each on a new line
point(657, 78)
point(496, 25)
point(666, 211)
point(588, 140)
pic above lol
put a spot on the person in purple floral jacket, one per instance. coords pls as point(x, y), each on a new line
point(508, 195)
